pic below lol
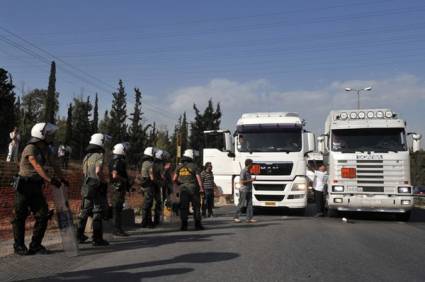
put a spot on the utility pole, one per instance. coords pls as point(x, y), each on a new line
point(348, 89)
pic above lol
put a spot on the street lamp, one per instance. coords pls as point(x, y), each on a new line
point(358, 93)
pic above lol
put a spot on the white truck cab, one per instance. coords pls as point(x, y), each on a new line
point(278, 145)
point(368, 161)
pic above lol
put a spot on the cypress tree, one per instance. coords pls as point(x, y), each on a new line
point(51, 103)
point(117, 126)
point(68, 131)
point(95, 115)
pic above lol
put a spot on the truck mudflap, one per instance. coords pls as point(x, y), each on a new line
point(374, 203)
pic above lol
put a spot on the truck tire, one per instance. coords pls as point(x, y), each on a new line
point(403, 216)
point(331, 212)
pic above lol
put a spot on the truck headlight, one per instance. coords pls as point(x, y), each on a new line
point(337, 188)
point(299, 187)
point(404, 190)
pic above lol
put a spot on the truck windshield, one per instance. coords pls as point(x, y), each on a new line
point(283, 140)
point(369, 139)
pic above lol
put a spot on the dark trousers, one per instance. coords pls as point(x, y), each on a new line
point(152, 194)
point(118, 199)
point(208, 202)
point(318, 197)
point(95, 207)
point(30, 197)
point(190, 194)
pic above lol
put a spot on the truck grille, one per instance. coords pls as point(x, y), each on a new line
point(265, 198)
point(373, 176)
point(275, 168)
point(269, 187)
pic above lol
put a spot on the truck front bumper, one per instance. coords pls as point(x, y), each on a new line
point(370, 202)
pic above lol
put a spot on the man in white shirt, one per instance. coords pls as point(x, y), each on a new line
point(319, 183)
point(15, 138)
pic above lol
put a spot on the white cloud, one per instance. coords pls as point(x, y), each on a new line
point(403, 93)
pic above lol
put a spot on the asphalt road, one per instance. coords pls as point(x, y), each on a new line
point(280, 247)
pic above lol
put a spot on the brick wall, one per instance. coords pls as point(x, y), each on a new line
point(74, 176)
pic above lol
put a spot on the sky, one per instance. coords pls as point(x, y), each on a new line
point(250, 56)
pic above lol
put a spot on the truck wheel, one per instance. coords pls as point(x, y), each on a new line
point(331, 212)
point(403, 216)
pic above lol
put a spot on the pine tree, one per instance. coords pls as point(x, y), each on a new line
point(104, 123)
point(95, 115)
point(117, 126)
point(7, 107)
point(51, 103)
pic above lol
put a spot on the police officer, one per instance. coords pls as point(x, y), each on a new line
point(94, 190)
point(158, 171)
point(147, 181)
point(29, 195)
point(120, 184)
point(187, 176)
point(167, 188)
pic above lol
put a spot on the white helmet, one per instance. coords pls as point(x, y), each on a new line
point(120, 149)
point(149, 151)
point(99, 139)
point(159, 154)
point(43, 130)
point(189, 154)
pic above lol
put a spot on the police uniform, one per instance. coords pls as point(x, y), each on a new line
point(158, 171)
point(93, 194)
point(189, 192)
point(29, 197)
point(119, 188)
point(148, 191)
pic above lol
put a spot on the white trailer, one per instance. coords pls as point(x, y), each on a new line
point(368, 162)
point(278, 145)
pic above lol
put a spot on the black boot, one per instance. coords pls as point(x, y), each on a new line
point(98, 238)
point(183, 226)
point(198, 225)
point(21, 250)
point(37, 249)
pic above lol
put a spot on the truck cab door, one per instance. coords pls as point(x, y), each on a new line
point(219, 151)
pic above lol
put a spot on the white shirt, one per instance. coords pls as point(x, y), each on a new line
point(320, 179)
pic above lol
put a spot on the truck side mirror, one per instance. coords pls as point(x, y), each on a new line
point(321, 144)
point(310, 145)
point(228, 142)
point(416, 146)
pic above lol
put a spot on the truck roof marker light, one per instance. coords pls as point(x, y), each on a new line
point(348, 172)
point(343, 115)
point(388, 114)
point(362, 115)
point(353, 115)
point(380, 114)
point(370, 114)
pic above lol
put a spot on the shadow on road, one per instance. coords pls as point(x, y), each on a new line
point(131, 272)
point(150, 241)
point(418, 215)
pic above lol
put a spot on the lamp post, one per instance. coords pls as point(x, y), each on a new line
point(358, 93)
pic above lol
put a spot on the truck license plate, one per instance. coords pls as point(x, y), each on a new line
point(270, 204)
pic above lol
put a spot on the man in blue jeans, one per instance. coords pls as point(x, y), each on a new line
point(245, 193)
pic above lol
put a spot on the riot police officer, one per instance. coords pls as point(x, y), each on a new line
point(187, 176)
point(147, 181)
point(120, 185)
point(167, 188)
point(94, 190)
point(158, 171)
point(29, 184)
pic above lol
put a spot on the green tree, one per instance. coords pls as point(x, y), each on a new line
point(210, 119)
point(81, 129)
point(32, 109)
point(96, 115)
point(104, 123)
point(137, 131)
point(417, 164)
point(118, 126)
point(51, 102)
point(7, 107)
point(68, 132)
